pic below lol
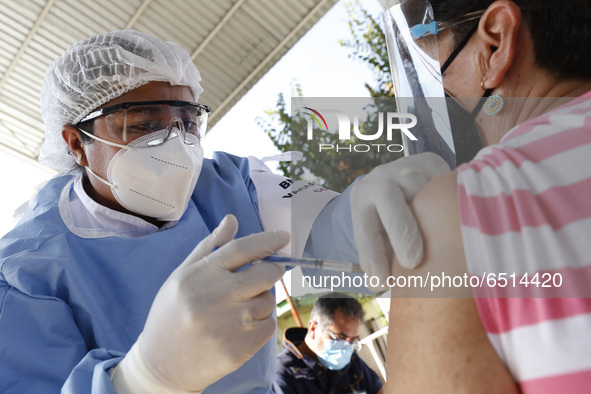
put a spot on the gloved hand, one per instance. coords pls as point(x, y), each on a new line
point(206, 320)
point(384, 226)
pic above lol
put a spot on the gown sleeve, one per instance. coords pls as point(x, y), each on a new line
point(286, 204)
point(44, 352)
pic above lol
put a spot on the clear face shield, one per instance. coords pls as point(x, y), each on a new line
point(444, 127)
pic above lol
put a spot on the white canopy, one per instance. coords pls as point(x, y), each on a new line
point(232, 42)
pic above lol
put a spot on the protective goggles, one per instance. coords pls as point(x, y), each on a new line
point(129, 121)
point(342, 343)
point(444, 126)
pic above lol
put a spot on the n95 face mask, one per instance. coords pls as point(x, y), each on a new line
point(154, 180)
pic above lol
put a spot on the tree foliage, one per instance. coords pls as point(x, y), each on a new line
point(277, 125)
point(332, 169)
point(368, 44)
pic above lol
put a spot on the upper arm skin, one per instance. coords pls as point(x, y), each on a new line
point(439, 344)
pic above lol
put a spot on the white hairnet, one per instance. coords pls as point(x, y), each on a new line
point(101, 68)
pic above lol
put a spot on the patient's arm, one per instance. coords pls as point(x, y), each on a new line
point(439, 344)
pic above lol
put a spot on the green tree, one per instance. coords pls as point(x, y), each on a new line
point(277, 125)
point(332, 169)
point(368, 45)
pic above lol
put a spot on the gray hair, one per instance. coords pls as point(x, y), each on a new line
point(326, 306)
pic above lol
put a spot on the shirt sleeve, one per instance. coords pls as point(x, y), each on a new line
point(42, 348)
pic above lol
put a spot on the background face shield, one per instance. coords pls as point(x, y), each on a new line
point(418, 85)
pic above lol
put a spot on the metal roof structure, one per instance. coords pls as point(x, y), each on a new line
point(232, 42)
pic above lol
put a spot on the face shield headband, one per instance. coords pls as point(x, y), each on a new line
point(444, 126)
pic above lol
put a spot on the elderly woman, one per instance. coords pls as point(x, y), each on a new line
point(520, 210)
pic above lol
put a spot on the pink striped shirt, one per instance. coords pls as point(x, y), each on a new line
point(525, 210)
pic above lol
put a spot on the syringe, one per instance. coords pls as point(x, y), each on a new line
point(331, 265)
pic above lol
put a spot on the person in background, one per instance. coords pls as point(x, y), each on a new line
point(322, 358)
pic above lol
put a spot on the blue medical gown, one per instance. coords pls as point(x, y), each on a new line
point(71, 307)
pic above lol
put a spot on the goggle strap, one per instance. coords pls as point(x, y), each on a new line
point(94, 137)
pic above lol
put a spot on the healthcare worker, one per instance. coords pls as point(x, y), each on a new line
point(124, 275)
point(513, 216)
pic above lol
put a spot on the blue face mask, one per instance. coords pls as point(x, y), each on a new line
point(336, 354)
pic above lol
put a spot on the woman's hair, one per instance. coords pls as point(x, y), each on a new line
point(561, 30)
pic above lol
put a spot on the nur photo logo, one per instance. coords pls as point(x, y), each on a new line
point(348, 126)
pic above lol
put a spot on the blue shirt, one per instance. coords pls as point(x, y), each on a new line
point(296, 373)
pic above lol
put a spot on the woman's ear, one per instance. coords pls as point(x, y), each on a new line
point(71, 135)
point(498, 31)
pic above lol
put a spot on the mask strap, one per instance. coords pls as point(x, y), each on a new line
point(108, 143)
point(456, 51)
point(99, 178)
point(481, 102)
